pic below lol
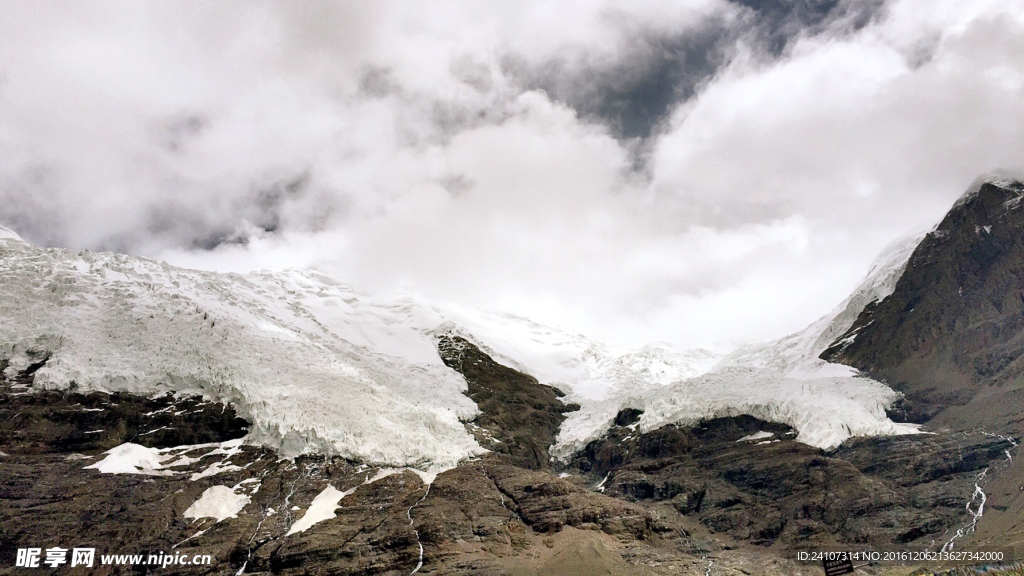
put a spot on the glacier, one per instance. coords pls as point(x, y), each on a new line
point(780, 381)
point(315, 367)
point(319, 367)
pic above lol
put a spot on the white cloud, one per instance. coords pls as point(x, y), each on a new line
point(396, 141)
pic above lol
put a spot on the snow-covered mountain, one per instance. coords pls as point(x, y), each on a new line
point(951, 332)
point(314, 366)
point(779, 381)
point(390, 381)
point(317, 366)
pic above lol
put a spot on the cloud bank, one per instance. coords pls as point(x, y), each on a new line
point(709, 174)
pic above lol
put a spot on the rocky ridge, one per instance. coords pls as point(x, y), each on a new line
point(952, 332)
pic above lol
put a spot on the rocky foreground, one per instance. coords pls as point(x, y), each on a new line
point(733, 496)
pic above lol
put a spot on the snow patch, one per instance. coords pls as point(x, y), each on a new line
point(427, 476)
point(326, 503)
point(211, 470)
point(322, 508)
point(759, 435)
point(381, 474)
point(182, 461)
point(132, 459)
point(218, 502)
point(196, 535)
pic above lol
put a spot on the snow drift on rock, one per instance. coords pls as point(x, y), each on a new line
point(132, 459)
point(218, 502)
point(323, 507)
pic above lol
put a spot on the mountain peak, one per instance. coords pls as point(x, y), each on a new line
point(997, 180)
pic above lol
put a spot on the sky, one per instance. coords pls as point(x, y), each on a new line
point(704, 173)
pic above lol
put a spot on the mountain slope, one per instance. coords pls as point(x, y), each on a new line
point(951, 335)
point(314, 367)
point(780, 381)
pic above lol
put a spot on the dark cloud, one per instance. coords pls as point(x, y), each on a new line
point(265, 209)
point(634, 94)
point(378, 82)
point(637, 91)
point(776, 23)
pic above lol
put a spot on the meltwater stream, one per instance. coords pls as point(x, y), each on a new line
point(978, 497)
point(408, 514)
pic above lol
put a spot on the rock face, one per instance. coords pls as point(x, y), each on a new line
point(51, 421)
point(750, 480)
point(952, 332)
point(519, 416)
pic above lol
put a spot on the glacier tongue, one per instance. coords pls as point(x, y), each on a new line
point(779, 381)
point(315, 366)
